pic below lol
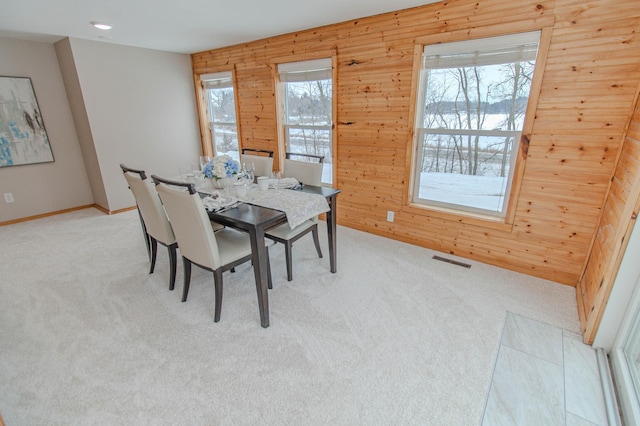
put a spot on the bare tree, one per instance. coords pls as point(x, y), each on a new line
point(222, 112)
point(463, 98)
point(309, 104)
point(515, 88)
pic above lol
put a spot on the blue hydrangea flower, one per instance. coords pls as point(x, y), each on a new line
point(222, 166)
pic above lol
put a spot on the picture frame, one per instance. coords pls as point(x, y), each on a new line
point(23, 137)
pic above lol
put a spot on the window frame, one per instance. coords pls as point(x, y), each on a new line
point(217, 76)
point(464, 57)
point(468, 216)
point(283, 126)
point(202, 107)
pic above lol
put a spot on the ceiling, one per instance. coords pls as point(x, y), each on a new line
point(184, 26)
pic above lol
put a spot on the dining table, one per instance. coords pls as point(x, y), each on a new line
point(256, 219)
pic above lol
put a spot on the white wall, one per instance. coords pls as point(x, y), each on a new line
point(103, 104)
point(46, 187)
point(137, 107)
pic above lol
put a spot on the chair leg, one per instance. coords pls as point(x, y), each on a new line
point(173, 260)
point(187, 278)
point(270, 282)
point(154, 252)
point(316, 240)
point(147, 241)
point(287, 255)
point(217, 282)
point(145, 235)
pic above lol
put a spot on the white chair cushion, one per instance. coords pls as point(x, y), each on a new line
point(195, 232)
point(151, 209)
point(232, 245)
point(191, 225)
point(216, 226)
point(285, 232)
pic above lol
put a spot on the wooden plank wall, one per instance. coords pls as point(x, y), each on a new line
point(585, 100)
point(617, 221)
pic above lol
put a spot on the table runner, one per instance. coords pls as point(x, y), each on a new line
point(298, 206)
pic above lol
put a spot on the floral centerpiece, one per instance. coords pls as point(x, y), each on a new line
point(220, 168)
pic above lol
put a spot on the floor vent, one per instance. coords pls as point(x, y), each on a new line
point(453, 262)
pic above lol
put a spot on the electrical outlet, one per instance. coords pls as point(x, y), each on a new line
point(389, 216)
point(8, 197)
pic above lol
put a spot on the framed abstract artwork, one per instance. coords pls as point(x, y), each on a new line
point(23, 138)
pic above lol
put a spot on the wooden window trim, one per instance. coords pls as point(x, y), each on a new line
point(280, 119)
point(206, 142)
point(545, 26)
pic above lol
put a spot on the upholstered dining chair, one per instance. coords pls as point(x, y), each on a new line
point(213, 251)
point(308, 170)
point(310, 173)
point(262, 159)
point(154, 219)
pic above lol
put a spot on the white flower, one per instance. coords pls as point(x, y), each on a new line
point(221, 166)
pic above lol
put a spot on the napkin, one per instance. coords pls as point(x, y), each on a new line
point(213, 204)
point(289, 182)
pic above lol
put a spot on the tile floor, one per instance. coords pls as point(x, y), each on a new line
point(544, 376)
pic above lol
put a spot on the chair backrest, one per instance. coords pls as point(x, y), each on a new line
point(304, 171)
point(263, 165)
point(190, 222)
point(258, 152)
point(153, 214)
point(305, 157)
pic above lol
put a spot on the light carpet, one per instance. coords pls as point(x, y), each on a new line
point(87, 336)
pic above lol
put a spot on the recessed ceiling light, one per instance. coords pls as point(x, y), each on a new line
point(101, 26)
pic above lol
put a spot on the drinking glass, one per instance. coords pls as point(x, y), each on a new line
point(251, 169)
point(228, 185)
point(278, 177)
point(190, 175)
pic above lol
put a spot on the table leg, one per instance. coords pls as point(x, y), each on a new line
point(331, 232)
point(260, 271)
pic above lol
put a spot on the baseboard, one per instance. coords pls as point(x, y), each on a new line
point(128, 209)
point(88, 206)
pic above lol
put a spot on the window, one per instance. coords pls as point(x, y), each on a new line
point(471, 105)
point(307, 95)
point(222, 112)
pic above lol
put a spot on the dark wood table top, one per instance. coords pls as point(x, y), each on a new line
point(246, 216)
point(325, 191)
